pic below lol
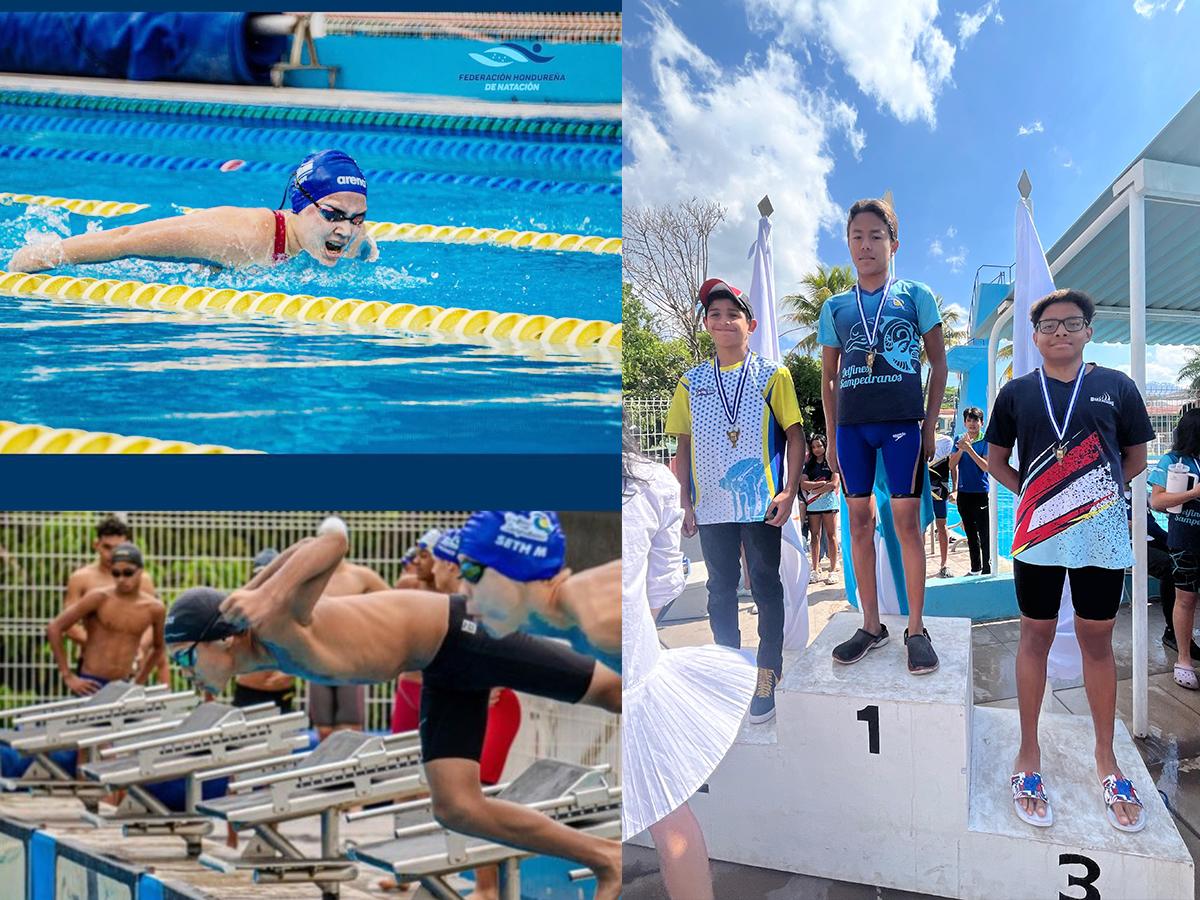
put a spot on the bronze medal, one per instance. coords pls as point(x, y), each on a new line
point(1060, 451)
point(733, 435)
point(870, 360)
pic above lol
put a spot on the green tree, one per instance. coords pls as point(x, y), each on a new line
point(1189, 374)
point(650, 366)
point(804, 308)
point(806, 375)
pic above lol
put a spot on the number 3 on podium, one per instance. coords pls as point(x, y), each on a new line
point(1086, 881)
point(870, 715)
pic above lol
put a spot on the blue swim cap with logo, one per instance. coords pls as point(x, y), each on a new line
point(323, 173)
point(446, 547)
point(524, 545)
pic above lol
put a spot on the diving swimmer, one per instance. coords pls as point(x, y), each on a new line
point(328, 205)
point(281, 619)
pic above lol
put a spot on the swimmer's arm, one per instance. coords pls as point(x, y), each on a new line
point(275, 565)
point(293, 590)
point(999, 467)
point(593, 599)
point(75, 585)
point(363, 247)
point(57, 629)
point(156, 657)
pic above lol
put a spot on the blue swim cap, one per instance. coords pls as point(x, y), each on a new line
point(447, 545)
point(522, 545)
point(323, 173)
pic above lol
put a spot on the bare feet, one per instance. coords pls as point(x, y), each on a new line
point(1030, 761)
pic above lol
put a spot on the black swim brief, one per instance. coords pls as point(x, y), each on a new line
point(456, 684)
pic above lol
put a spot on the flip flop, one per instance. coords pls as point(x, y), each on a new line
point(1120, 790)
point(1028, 786)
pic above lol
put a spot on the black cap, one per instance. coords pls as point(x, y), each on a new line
point(127, 552)
point(196, 616)
point(263, 559)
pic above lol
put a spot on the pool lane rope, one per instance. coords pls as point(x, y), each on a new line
point(20, 438)
point(500, 237)
point(515, 328)
point(100, 208)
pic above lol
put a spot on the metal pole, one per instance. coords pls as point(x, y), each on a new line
point(1137, 368)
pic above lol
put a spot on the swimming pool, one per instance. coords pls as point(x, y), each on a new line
point(277, 386)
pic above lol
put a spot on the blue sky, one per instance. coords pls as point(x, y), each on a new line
point(820, 102)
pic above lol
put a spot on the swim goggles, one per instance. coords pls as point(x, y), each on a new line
point(332, 215)
point(471, 571)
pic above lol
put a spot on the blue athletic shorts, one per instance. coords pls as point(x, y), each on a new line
point(939, 508)
point(903, 459)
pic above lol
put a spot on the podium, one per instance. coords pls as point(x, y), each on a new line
point(869, 774)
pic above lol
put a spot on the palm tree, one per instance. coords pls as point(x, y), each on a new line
point(805, 307)
point(1190, 373)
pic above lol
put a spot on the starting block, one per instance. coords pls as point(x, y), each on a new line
point(919, 799)
point(213, 734)
point(82, 723)
point(347, 769)
point(424, 851)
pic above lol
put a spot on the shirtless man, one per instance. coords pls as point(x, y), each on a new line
point(276, 621)
point(342, 707)
point(115, 618)
point(511, 592)
point(421, 575)
point(446, 576)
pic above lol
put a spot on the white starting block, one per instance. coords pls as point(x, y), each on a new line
point(72, 724)
point(213, 734)
point(871, 775)
point(347, 769)
point(424, 851)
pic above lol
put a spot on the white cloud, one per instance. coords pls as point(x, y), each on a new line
point(1034, 127)
point(951, 231)
point(1150, 8)
point(958, 260)
point(970, 23)
point(893, 51)
point(731, 134)
point(935, 248)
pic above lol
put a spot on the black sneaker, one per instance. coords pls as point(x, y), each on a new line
point(921, 658)
point(762, 707)
point(859, 645)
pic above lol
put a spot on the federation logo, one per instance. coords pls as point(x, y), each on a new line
point(503, 55)
point(533, 527)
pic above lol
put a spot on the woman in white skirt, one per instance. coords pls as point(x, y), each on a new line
point(682, 708)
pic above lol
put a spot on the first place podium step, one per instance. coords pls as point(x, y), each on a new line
point(872, 775)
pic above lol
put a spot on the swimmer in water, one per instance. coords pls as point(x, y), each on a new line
point(328, 198)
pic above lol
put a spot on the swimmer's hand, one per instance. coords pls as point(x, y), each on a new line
point(249, 608)
point(81, 687)
point(368, 250)
point(37, 257)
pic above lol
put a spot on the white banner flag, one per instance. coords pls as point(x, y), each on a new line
point(1033, 282)
point(793, 567)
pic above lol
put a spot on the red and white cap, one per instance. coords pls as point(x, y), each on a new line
point(715, 287)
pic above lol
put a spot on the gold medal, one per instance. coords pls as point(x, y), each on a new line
point(870, 360)
point(733, 436)
point(1060, 451)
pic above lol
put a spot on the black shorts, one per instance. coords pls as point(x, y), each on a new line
point(337, 704)
point(1095, 592)
point(1183, 568)
point(456, 684)
point(248, 696)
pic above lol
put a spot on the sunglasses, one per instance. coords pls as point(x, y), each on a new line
point(1072, 324)
point(471, 571)
point(124, 573)
point(332, 215)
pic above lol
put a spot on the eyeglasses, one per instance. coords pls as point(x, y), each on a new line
point(1072, 324)
point(471, 571)
point(124, 573)
point(332, 215)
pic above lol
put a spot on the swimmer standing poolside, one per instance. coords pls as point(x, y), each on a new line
point(328, 195)
point(282, 620)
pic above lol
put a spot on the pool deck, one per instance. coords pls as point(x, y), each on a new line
point(1171, 751)
point(314, 97)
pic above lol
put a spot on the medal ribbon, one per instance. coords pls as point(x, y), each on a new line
point(872, 333)
point(731, 412)
point(1060, 433)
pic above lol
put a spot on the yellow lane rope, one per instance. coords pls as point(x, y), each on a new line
point(102, 208)
point(18, 438)
point(477, 324)
point(501, 237)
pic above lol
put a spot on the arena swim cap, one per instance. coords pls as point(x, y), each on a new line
point(446, 547)
point(323, 173)
point(196, 616)
point(523, 545)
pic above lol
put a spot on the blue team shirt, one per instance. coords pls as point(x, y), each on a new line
point(971, 478)
point(1183, 527)
point(892, 391)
